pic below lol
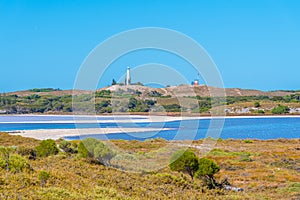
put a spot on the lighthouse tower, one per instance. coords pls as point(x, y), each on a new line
point(127, 78)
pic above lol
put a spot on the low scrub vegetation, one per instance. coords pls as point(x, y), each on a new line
point(280, 109)
point(130, 100)
point(69, 174)
point(46, 148)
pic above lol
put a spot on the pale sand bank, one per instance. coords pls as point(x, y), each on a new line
point(55, 134)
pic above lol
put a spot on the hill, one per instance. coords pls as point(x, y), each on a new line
point(180, 91)
point(200, 90)
point(172, 100)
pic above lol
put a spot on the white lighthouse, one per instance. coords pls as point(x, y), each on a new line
point(127, 78)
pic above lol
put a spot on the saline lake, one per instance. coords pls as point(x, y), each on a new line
point(236, 127)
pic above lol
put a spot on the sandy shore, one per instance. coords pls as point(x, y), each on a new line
point(55, 134)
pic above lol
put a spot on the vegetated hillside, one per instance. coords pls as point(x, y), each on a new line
point(173, 91)
point(190, 100)
point(49, 92)
point(200, 90)
point(264, 169)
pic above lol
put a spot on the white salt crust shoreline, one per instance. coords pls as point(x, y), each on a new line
point(132, 118)
point(43, 134)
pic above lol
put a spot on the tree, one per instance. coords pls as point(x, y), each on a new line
point(47, 148)
point(184, 161)
point(206, 170)
point(114, 82)
point(154, 93)
point(256, 104)
point(280, 109)
point(135, 105)
point(132, 103)
point(103, 106)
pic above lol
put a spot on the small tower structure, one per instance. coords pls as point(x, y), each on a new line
point(128, 78)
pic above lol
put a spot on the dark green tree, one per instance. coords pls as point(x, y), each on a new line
point(184, 161)
point(256, 104)
point(206, 170)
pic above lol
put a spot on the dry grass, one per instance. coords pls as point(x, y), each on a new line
point(265, 169)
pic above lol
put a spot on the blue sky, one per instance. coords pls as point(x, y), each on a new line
point(255, 43)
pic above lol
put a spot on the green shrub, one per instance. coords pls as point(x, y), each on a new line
point(207, 167)
point(66, 146)
point(47, 148)
point(43, 177)
point(86, 147)
point(261, 112)
point(95, 150)
point(103, 153)
point(256, 104)
point(245, 158)
point(136, 105)
point(206, 170)
point(17, 163)
point(2, 163)
point(184, 161)
point(280, 109)
point(13, 162)
point(204, 106)
point(28, 152)
point(248, 141)
point(5, 153)
point(294, 187)
point(172, 108)
point(103, 94)
point(154, 93)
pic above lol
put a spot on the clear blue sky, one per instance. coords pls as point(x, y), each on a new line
point(255, 43)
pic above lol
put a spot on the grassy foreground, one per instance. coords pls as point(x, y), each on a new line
point(264, 169)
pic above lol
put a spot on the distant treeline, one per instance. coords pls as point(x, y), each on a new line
point(236, 99)
point(293, 91)
point(44, 90)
